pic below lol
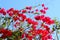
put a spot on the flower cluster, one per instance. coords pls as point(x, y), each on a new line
point(46, 20)
point(39, 27)
point(5, 33)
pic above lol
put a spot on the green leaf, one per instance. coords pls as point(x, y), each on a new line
point(36, 13)
point(28, 25)
point(0, 38)
point(58, 32)
point(56, 22)
point(58, 28)
point(8, 21)
point(4, 24)
point(11, 38)
point(53, 29)
point(20, 33)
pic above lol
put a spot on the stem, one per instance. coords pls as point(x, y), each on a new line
point(57, 34)
point(32, 7)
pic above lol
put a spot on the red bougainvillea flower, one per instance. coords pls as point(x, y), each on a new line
point(11, 9)
point(43, 11)
point(32, 11)
point(46, 27)
point(39, 31)
point(29, 12)
point(43, 5)
point(49, 37)
point(41, 17)
point(36, 10)
point(48, 20)
point(15, 18)
point(24, 11)
point(23, 35)
point(19, 14)
point(38, 17)
point(10, 13)
point(29, 7)
point(29, 36)
point(34, 27)
point(45, 8)
point(2, 11)
point(44, 33)
point(6, 33)
point(16, 11)
point(22, 16)
point(17, 24)
point(34, 23)
point(34, 33)
point(30, 21)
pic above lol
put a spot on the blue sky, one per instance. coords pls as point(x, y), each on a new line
point(53, 5)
